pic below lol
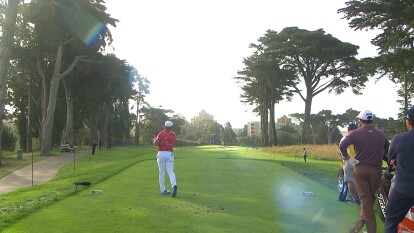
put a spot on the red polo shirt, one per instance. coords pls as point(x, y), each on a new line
point(166, 140)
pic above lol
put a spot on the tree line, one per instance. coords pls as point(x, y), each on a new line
point(64, 87)
point(301, 62)
point(58, 79)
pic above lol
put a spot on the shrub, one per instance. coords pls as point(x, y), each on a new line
point(8, 139)
point(181, 142)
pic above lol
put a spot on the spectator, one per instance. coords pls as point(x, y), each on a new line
point(401, 196)
point(94, 144)
point(109, 143)
point(342, 186)
point(370, 145)
point(349, 167)
point(305, 154)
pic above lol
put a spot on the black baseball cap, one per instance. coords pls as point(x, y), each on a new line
point(410, 114)
point(352, 126)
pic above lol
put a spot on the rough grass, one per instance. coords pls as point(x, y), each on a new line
point(327, 152)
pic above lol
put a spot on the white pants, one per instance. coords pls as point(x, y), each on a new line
point(165, 160)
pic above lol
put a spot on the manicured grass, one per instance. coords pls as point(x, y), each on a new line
point(220, 190)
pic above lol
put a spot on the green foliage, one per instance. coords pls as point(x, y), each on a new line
point(121, 122)
point(393, 18)
point(8, 139)
point(294, 56)
point(182, 143)
point(203, 132)
point(152, 122)
point(394, 21)
point(287, 135)
point(390, 126)
point(247, 141)
point(229, 137)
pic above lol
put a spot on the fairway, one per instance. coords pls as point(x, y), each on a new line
point(220, 190)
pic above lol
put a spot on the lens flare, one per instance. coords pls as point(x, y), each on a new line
point(82, 24)
point(289, 195)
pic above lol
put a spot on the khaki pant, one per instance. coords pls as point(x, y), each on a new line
point(367, 180)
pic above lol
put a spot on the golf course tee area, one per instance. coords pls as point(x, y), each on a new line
point(220, 189)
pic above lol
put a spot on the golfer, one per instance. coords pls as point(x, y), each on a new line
point(370, 146)
point(401, 197)
point(165, 158)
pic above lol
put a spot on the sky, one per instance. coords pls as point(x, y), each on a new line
point(191, 50)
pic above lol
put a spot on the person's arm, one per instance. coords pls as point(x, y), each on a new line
point(156, 141)
point(343, 146)
point(386, 146)
point(392, 152)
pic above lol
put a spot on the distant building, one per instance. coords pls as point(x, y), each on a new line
point(284, 120)
point(254, 128)
point(202, 116)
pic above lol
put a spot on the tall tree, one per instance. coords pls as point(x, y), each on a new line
point(229, 136)
point(331, 123)
point(405, 93)
point(265, 84)
point(349, 116)
point(142, 90)
point(316, 123)
point(8, 25)
point(66, 22)
point(255, 92)
point(152, 122)
point(321, 63)
point(53, 92)
point(101, 95)
point(395, 38)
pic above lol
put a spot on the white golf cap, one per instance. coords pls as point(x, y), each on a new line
point(366, 115)
point(168, 124)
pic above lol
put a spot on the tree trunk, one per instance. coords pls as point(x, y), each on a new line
point(308, 106)
point(93, 131)
point(313, 134)
point(68, 133)
point(273, 123)
point(137, 125)
point(44, 98)
point(331, 130)
point(54, 87)
point(406, 94)
point(50, 115)
point(329, 135)
point(29, 118)
point(6, 46)
point(105, 124)
point(264, 117)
